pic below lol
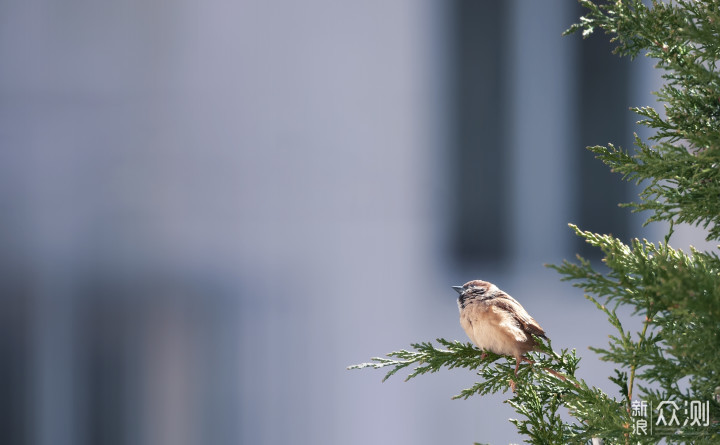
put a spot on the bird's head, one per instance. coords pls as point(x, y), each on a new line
point(475, 290)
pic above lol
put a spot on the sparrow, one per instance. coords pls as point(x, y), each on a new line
point(496, 322)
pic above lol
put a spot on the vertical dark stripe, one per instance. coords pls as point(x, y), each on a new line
point(104, 345)
point(603, 103)
point(481, 191)
point(15, 343)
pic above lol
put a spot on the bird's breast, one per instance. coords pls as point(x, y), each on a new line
point(491, 329)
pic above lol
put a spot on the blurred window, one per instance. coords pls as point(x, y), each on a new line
point(480, 167)
point(602, 104)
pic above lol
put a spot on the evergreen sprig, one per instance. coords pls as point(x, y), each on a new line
point(678, 296)
point(430, 359)
point(542, 388)
point(683, 167)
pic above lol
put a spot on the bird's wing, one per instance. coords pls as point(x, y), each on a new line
point(528, 324)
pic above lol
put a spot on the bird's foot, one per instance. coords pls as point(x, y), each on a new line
point(512, 385)
point(483, 356)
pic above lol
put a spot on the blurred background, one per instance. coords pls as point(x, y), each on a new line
point(209, 209)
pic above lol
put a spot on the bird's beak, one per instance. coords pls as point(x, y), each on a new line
point(458, 289)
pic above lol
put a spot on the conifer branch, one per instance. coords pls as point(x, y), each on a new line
point(679, 296)
point(543, 388)
point(682, 168)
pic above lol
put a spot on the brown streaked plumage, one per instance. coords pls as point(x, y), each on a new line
point(496, 322)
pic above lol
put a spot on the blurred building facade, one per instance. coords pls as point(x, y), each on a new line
point(210, 209)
